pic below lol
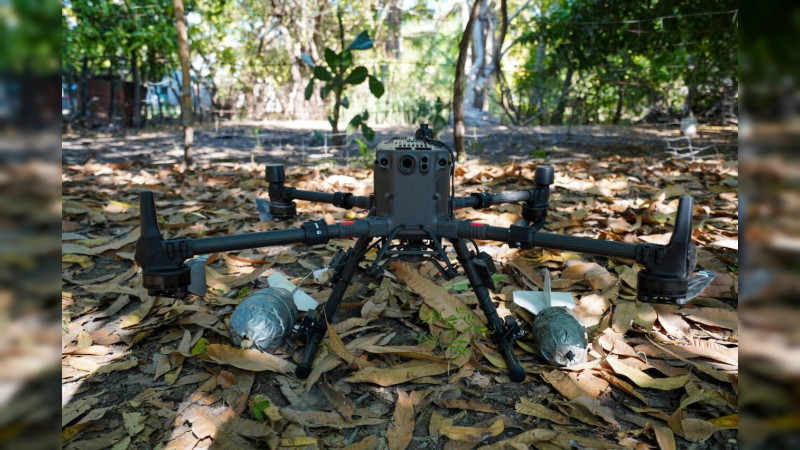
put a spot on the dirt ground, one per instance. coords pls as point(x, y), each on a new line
point(293, 142)
point(129, 379)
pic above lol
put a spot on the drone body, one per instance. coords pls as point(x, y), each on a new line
point(410, 217)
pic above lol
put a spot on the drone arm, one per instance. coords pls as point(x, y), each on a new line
point(667, 267)
point(482, 200)
point(164, 260)
point(282, 205)
point(536, 199)
point(525, 237)
point(339, 199)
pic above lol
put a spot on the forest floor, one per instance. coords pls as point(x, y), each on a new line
point(145, 372)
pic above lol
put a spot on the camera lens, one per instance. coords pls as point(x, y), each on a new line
point(407, 163)
point(423, 167)
point(384, 162)
point(442, 162)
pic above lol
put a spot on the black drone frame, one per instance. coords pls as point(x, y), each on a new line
point(407, 221)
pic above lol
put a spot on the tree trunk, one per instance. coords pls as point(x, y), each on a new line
point(85, 92)
point(458, 88)
point(186, 82)
point(538, 87)
point(620, 99)
point(137, 95)
point(112, 101)
point(394, 19)
point(558, 114)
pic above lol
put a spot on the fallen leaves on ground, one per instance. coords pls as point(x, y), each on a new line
point(408, 359)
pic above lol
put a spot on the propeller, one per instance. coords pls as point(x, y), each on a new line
point(263, 210)
point(198, 285)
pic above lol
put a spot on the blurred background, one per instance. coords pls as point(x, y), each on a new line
point(769, 211)
point(528, 63)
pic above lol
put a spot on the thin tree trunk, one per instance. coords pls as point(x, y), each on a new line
point(186, 83)
point(620, 99)
point(394, 18)
point(458, 90)
point(558, 114)
point(112, 101)
point(538, 90)
point(85, 92)
point(137, 95)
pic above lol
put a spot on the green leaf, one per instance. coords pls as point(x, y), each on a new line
point(331, 58)
point(330, 121)
point(357, 76)
point(258, 413)
point(369, 133)
point(361, 42)
point(346, 102)
point(309, 88)
point(376, 87)
point(365, 115)
point(200, 347)
point(362, 146)
point(322, 74)
point(346, 59)
point(325, 90)
point(354, 122)
point(307, 59)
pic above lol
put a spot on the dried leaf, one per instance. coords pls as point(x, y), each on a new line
point(644, 380)
point(529, 408)
point(368, 443)
point(337, 346)
point(715, 317)
point(399, 374)
point(470, 434)
point(436, 297)
point(624, 314)
point(325, 419)
point(401, 429)
point(84, 340)
point(134, 422)
point(248, 359)
point(299, 441)
point(465, 405)
point(563, 384)
point(665, 438)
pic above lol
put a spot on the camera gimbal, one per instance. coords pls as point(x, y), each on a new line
point(409, 214)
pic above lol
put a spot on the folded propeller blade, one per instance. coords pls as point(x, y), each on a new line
point(197, 286)
point(263, 210)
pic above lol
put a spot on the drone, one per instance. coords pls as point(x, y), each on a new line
point(410, 217)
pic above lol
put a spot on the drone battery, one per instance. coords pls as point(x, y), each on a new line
point(412, 182)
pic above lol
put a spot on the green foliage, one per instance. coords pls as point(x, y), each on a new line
point(434, 115)
point(102, 31)
point(260, 402)
point(200, 347)
point(447, 339)
point(601, 58)
point(29, 37)
point(336, 72)
point(365, 154)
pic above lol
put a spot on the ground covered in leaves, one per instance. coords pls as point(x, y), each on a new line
point(406, 364)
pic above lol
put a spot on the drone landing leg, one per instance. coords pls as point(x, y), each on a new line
point(503, 333)
point(342, 274)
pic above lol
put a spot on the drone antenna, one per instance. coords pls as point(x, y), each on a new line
point(425, 134)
